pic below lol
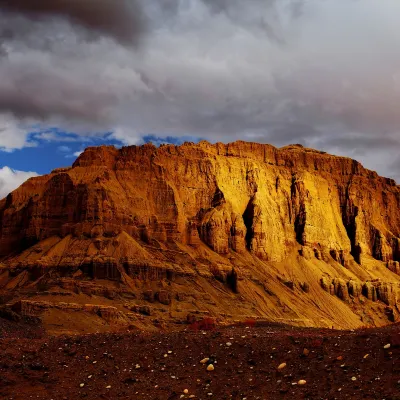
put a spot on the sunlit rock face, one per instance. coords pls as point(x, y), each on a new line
point(244, 206)
point(237, 196)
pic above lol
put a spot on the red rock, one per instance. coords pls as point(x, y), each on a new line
point(186, 213)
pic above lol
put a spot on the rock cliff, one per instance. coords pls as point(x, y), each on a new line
point(240, 229)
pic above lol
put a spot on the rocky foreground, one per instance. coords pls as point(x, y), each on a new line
point(242, 362)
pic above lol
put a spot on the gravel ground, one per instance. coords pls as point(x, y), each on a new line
point(269, 362)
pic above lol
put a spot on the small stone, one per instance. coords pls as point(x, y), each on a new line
point(165, 355)
point(204, 360)
point(210, 367)
point(302, 382)
point(306, 352)
point(137, 366)
point(366, 356)
point(229, 344)
point(169, 352)
point(108, 387)
point(340, 358)
point(82, 385)
point(353, 378)
point(387, 346)
point(281, 366)
point(186, 391)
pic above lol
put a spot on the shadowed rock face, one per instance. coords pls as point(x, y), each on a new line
point(247, 207)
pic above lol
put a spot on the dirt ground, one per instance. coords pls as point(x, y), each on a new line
point(164, 366)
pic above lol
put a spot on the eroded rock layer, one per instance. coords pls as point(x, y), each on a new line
point(243, 229)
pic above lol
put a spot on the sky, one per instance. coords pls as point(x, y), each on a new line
point(322, 73)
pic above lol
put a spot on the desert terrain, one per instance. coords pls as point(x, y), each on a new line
point(238, 271)
point(248, 362)
point(154, 237)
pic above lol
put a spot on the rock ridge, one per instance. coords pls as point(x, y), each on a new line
point(228, 212)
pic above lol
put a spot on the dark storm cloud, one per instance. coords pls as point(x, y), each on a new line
point(121, 19)
point(40, 92)
point(321, 73)
point(53, 63)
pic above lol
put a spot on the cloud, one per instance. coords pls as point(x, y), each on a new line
point(120, 19)
point(13, 133)
point(11, 179)
point(64, 149)
point(74, 154)
point(320, 73)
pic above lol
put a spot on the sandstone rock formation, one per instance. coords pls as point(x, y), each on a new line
point(233, 222)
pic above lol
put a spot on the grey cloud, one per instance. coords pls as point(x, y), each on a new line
point(39, 91)
point(321, 73)
point(121, 19)
point(233, 6)
point(292, 8)
point(266, 16)
point(363, 143)
point(394, 169)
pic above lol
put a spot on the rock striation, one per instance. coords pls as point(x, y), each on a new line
point(226, 213)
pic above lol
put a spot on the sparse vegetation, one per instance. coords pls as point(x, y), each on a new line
point(205, 324)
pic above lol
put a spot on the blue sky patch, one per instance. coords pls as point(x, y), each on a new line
point(53, 148)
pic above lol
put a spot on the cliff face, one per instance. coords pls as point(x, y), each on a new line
point(270, 215)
